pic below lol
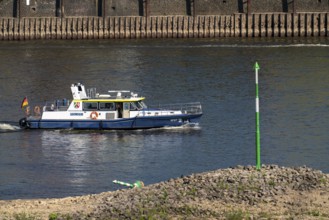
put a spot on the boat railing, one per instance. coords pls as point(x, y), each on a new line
point(91, 93)
point(58, 105)
point(185, 108)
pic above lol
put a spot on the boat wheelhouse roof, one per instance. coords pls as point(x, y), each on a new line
point(80, 94)
point(111, 100)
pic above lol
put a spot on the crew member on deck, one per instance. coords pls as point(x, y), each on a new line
point(119, 109)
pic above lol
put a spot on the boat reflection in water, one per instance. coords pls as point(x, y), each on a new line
point(84, 158)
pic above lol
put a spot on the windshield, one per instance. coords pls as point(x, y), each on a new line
point(137, 105)
point(141, 105)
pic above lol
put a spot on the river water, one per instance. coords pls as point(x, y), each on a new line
point(294, 110)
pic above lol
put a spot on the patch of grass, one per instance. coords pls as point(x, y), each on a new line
point(315, 213)
point(223, 185)
point(164, 195)
point(323, 181)
point(241, 188)
point(186, 211)
point(325, 215)
point(24, 216)
point(150, 214)
point(265, 215)
point(235, 215)
point(254, 188)
point(271, 183)
point(163, 212)
point(53, 216)
point(192, 192)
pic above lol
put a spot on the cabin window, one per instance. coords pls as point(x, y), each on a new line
point(89, 106)
point(133, 106)
point(107, 106)
point(126, 105)
point(137, 106)
point(141, 105)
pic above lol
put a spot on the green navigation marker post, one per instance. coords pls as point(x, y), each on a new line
point(258, 165)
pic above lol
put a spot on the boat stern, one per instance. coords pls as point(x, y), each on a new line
point(23, 123)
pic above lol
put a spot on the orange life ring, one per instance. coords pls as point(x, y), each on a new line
point(94, 115)
point(37, 110)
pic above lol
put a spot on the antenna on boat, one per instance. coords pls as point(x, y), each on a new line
point(113, 91)
point(91, 92)
point(119, 92)
point(134, 94)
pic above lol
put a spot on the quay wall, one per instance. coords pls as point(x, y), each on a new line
point(104, 19)
point(130, 27)
point(105, 8)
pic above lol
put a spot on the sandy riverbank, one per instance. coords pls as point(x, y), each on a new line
point(235, 193)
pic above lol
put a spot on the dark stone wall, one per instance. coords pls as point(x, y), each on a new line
point(215, 7)
point(71, 8)
point(123, 7)
point(312, 5)
point(37, 8)
point(80, 7)
point(7, 8)
point(257, 6)
point(167, 7)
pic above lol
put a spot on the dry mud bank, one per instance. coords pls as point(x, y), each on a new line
point(241, 192)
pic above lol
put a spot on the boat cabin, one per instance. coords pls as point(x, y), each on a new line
point(115, 104)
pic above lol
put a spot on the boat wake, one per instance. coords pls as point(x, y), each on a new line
point(7, 127)
point(193, 126)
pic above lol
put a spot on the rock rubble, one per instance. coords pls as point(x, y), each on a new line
point(242, 191)
point(238, 185)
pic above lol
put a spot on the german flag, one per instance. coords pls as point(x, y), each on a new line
point(24, 103)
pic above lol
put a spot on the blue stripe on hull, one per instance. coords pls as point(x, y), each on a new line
point(130, 123)
point(118, 124)
point(50, 124)
point(86, 124)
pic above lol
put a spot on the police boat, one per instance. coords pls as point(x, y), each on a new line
point(113, 110)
